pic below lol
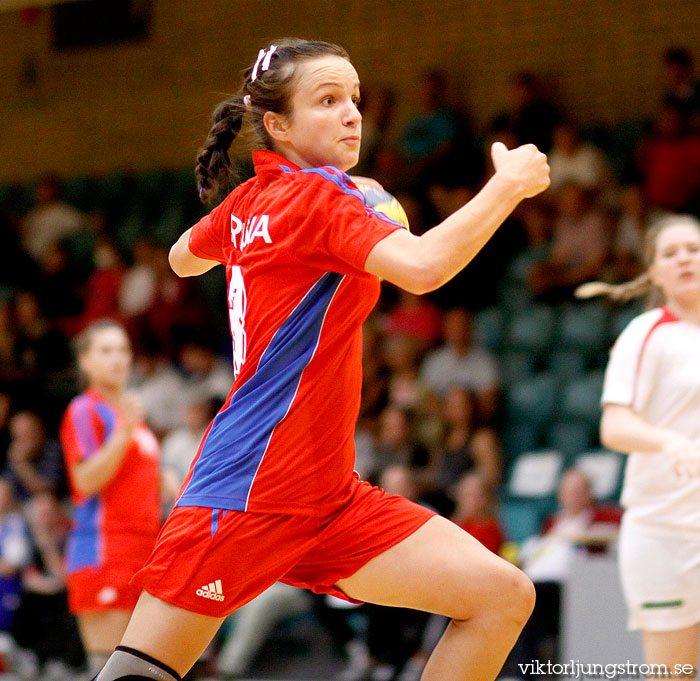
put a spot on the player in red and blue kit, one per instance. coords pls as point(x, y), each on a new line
point(271, 494)
point(113, 466)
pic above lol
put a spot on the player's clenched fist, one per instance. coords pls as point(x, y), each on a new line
point(132, 409)
point(525, 166)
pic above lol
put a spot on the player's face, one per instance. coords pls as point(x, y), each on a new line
point(107, 360)
point(676, 266)
point(324, 127)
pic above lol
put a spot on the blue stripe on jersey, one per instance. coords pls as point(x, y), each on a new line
point(238, 439)
point(108, 416)
point(342, 181)
point(84, 547)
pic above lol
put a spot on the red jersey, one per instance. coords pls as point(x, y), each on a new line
point(129, 505)
point(294, 243)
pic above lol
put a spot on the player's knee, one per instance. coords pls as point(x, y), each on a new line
point(510, 595)
point(517, 594)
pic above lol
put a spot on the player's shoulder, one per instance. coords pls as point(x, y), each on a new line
point(325, 178)
point(642, 327)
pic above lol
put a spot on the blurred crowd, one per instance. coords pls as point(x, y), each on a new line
point(432, 417)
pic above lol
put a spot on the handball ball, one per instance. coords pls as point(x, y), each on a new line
point(383, 202)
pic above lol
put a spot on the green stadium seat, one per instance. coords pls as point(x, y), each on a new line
point(517, 438)
point(571, 437)
point(531, 329)
point(531, 400)
point(520, 519)
point(488, 327)
point(580, 398)
point(566, 364)
point(583, 327)
point(516, 365)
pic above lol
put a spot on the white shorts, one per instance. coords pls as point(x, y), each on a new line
point(660, 572)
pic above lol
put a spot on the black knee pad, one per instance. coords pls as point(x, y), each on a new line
point(127, 664)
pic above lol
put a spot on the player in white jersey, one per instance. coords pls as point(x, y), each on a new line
point(651, 411)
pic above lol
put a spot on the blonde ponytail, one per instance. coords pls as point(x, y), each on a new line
point(620, 293)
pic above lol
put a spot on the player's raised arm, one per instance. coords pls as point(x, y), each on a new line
point(422, 264)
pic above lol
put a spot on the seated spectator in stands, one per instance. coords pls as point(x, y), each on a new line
point(414, 317)
point(465, 447)
point(181, 444)
point(43, 348)
point(102, 286)
point(58, 285)
point(206, 374)
point(11, 369)
point(43, 623)
point(396, 442)
point(437, 140)
point(681, 86)
point(17, 269)
point(669, 161)
point(571, 160)
point(34, 462)
point(627, 252)
point(15, 552)
point(580, 246)
point(401, 356)
point(160, 386)
point(137, 290)
point(474, 510)
point(546, 558)
point(458, 362)
point(50, 220)
point(5, 411)
point(530, 116)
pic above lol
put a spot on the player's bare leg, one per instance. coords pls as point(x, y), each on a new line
point(171, 635)
point(678, 647)
point(100, 632)
point(442, 569)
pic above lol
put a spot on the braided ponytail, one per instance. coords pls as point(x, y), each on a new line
point(267, 86)
point(213, 171)
point(620, 293)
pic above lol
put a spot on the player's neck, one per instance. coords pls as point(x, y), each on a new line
point(108, 393)
point(687, 311)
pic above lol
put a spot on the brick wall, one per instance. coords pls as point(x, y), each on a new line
point(147, 104)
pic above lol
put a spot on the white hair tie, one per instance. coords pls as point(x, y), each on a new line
point(246, 101)
point(263, 61)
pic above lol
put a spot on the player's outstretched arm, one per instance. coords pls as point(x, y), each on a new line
point(185, 263)
point(423, 263)
point(623, 430)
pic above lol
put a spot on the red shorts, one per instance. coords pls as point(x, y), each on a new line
point(212, 562)
point(98, 589)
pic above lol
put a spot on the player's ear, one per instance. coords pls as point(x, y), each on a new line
point(276, 125)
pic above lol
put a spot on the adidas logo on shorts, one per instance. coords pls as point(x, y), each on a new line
point(212, 591)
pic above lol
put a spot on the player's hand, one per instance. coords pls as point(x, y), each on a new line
point(685, 456)
point(525, 167)
point(132, 411)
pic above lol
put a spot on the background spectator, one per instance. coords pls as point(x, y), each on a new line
point(459, 362)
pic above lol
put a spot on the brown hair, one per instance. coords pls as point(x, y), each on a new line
point(262, 90)
point(83, 340)
point(641, 285)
